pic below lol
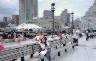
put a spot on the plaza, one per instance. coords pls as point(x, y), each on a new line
point(42, 30)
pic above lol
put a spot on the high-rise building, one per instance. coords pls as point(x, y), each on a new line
point(28, 10)
point(5, 19)
point(89, 20)
point(47, 14)
point(15, 19)
point(65, 17)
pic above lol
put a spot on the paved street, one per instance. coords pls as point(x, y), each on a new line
point(31, 29)
point(86, 51)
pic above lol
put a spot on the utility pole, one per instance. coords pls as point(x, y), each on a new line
point(53, 10)
point(72, 22)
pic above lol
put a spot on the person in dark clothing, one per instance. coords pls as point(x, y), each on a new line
point(80, 34)
point(5, 35)
point(87, 35)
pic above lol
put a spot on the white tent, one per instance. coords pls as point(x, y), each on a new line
point(28, 26)
point(11, 26)
point(66, 27)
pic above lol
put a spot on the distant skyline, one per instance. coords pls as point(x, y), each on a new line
point(79, 7)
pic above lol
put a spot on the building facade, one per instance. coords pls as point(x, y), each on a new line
point(77, 23)
point(89, 20)
point(65, 17)
point(47, 14)
point(47, 23)
point(5, 19)
point(28, 9)
point(15, 19)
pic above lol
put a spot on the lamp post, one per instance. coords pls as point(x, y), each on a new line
point(53, 10)
point(72, 21)
point(89, 24)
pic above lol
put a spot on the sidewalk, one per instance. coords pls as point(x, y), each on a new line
point(86, 51)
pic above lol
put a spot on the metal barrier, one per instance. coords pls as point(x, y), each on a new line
point(12, 54)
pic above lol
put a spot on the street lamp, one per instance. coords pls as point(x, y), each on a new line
point(72, 21)
point(89, 24)
point(53, 10)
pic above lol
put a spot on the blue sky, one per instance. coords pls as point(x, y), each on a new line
point(9, 7)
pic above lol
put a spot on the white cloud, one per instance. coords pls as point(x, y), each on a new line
point(78, 6)
point(9, 7)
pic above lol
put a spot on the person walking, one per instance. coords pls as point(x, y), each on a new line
point(39, 36)
point(1, 47)
point(75, 38)
point(87, 35)
point(45, 49)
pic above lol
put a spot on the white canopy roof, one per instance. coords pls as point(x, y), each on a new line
point(66, 27)
point(12, 26)
point(28, 26)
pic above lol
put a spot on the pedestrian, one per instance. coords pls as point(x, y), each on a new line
point(63, 36)
point(1, 37)
point(80, 35)
point(45, 49)
point(9, 36)
point(14, 35)
point(19, 38)
point(1, 47)
point(39, 36)
point(60, 35)
point(75, 38)
point(87, 35)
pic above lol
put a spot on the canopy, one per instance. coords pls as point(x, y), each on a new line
point(66, 27)
point(28, 26)
point(11, 26)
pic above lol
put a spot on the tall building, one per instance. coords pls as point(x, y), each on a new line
point(15, 19)
point(47, 14)
point(89, 20)
point(65, 17)
point(77, 23)
point(28, 9)
point(5, 19)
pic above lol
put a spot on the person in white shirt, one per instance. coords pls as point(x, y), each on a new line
point(45, 49)
point(64, 38)
point(19, 38)
point(87, 35)
point(75, 38)
point(39, 36)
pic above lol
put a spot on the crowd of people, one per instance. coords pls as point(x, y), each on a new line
point(90, 34)
point(42, 40)
point(45, 50)
point(45, 46)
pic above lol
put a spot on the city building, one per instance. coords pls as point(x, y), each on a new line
point(65, 17)
point(15, 19)
point(77, 23)
point(59, 21)
point(28, 9)
point(89, 20)
point(5, 22)
point(47, 14)
point(47, 23)
point(5, 19)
